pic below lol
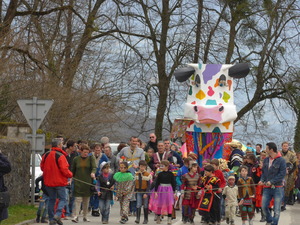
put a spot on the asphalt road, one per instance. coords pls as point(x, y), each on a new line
point(289, 217)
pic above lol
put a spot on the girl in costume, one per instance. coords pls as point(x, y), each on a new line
point(208, 205)
point(190, 184)
point(162, 199)
point(124, 189)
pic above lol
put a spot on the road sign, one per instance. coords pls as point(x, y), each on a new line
point(35, 111)
point(39, 142)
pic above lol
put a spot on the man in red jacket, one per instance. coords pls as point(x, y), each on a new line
point(56, 172)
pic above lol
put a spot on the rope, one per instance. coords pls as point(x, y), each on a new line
point(145, 192)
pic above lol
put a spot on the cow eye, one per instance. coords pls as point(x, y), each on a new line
point(197, 80)
point(222, 80)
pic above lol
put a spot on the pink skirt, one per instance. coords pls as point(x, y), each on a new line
point(163, 204)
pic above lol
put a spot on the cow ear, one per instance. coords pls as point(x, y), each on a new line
point(182, 74)
point(239, 70)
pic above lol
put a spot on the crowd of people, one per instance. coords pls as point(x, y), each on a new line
point(79, 179)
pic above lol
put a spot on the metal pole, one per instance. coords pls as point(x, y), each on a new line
point(34, 118)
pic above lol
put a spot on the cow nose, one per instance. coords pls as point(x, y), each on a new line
point(221, 109)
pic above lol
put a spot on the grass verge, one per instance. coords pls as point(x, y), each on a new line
point(19, 213)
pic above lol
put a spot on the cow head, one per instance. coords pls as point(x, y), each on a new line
point(210, 98)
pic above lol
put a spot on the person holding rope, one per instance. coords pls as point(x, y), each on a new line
point(83, 168)
point(105, 182)
point(124, 189)
point(246, 193)
point(190, 183)
point(162, 199)
point(273, 173)
point(208, 206)
point(142, 186)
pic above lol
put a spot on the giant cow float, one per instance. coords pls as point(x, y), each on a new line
point(209, 112)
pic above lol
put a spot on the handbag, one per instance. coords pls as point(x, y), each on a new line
point(4, 199)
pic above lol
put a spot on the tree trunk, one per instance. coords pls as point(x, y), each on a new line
point(198, 31)
point(161, 109)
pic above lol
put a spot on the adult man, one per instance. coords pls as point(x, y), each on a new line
point(290, 177)
point(258, 148)
point(177, 160)
point(71, 150)
point(112, 159)
point(160, 155)
point(152, 143)
point(56, 172)
point(132, 154)
point(273, 172)
point(99, 158)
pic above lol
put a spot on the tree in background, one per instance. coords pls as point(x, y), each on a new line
point(109, 64)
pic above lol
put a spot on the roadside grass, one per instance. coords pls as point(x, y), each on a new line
point(19, 213)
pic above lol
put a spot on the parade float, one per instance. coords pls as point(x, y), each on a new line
point(209, 111)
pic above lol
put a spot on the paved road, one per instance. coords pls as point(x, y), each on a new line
point(289, 217)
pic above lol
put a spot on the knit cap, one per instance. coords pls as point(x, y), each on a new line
point(231, 177)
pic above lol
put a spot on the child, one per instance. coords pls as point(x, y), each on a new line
point(149, 155)
point(219, 174)
point(209, 206)
point(163, 197)
point(246, 191)
point(183, 170)
point(190, 183)
point(230, 194)
point(105, 181)
point(142, 185)
point(43, 205)
point(124, 187)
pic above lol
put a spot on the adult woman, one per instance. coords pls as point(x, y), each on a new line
point(83, 168)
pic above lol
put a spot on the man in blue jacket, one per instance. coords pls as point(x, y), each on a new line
point(273, 172)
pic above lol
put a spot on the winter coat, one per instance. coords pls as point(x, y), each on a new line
point(55, 168)
point(5, 168)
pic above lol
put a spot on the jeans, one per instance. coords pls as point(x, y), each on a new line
point(132, 206)
point(43, 206)
point(94, 202)
point(141, 201)
point(68, 200)
point(56, 192)
point(222, 206)
point(71, 199)
point(268, 194)
point(104, 205)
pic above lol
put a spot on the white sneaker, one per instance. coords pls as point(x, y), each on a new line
point(86, 219)
point(75, 219)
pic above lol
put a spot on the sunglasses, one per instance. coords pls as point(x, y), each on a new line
point(152, 137)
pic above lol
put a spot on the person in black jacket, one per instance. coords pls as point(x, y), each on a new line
point(105, 181)
point(5, 168)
